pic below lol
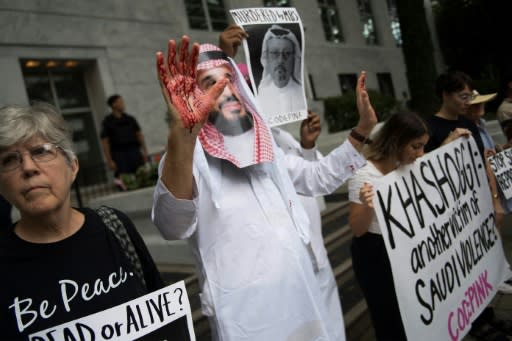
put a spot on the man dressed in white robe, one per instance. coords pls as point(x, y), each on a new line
point(226, 188)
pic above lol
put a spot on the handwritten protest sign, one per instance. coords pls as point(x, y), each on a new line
point(501, 165)
point(438, 225)
point(148, 318)
point(275, 55)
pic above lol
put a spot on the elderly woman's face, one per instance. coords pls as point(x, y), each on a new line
point(41, 183)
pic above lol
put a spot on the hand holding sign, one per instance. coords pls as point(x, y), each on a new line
point(366, 195)
point(455, 134)
point(231, 38)
point(188, 105)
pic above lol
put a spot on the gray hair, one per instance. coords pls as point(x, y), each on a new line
point(18, 124)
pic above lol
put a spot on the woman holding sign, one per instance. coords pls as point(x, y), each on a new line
point(400, 141)
point(60, 263)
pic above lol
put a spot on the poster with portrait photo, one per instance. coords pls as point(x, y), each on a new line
point(275, 60)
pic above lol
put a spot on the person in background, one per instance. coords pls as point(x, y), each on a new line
point(122, 141)
point(400, 141)
point(504, 112)
point(455, 89)
point(62, 263)
point(501, 205)
point(310, 129)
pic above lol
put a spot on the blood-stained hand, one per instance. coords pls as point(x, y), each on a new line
point(187, 104)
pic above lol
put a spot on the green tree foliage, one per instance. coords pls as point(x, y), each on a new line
point(418, 55)
point(341, 111)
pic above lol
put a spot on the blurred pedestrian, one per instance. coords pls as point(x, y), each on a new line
point(122, 140)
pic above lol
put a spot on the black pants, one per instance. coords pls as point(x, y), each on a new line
point(373, 273)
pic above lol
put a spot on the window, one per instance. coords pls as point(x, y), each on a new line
point(276, 3)
point(207, 15)
point(386, 84)
point(330, 20)
point(348, 82)
point(61, 83)
point(395, 23)
point(366, 15)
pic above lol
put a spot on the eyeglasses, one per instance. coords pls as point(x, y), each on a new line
point(277, 54)
point(42, 153)
point(466, 97)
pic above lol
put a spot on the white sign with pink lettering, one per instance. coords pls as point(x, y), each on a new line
point(438, 224)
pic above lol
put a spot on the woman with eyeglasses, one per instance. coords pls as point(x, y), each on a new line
point(59, 263)
point(455, 89)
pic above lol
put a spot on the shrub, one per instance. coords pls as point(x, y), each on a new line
point(341, 111)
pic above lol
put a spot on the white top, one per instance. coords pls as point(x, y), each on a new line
point(370, 174)
point(256, 275)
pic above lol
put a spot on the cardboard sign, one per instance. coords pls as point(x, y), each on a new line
point(501, 165)
point(151, 317)
point(275, 59)
point(437, 221)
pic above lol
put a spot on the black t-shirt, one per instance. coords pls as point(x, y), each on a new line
point(121, 132)
point(441, 127)
point(65, 274)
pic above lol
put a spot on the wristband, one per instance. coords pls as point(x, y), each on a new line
point(358, 137)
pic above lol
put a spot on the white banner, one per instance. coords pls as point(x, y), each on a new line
point(446, 254)
point(501, 165)
point(147, 318)
point(275, 60)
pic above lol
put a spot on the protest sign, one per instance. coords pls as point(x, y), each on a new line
point(501, 165)
point(151, 317)
point(275, 60)
point(438, 224)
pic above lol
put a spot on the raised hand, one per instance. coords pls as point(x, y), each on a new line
point(187, 104)
point(367, 115)
point(310, 129)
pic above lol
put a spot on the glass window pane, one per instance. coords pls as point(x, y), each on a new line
point(366, 15)
point(386, 84)
point(348, 82)
point(38, 86)
point(196, 15)
point(330, 21)
point(217, 14)
point(394, 22)
point(70, 88)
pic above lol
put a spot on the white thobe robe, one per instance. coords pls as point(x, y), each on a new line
point(254, 265)
point(312, 205)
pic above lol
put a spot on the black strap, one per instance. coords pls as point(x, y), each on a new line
point(112, 221)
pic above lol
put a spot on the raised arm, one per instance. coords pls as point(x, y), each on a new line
point(188, 108)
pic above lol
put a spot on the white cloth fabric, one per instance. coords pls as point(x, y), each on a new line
point(256, 274)
point(244, 150)
point(372, 175)
point(274, 100)
point(312, 205)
